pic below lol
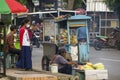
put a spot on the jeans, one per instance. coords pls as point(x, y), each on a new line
point(67, 69)
point(14, 51)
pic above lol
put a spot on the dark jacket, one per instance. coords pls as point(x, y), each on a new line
point(9, 42)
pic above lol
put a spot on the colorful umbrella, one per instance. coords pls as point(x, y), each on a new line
point(11, 6)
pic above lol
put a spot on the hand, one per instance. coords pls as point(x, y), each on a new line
point(74, 63)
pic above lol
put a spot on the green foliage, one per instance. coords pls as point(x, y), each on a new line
point(113, 4)
point(23, 1)
point(6, 19)
point(65, 1)
point(77, 4)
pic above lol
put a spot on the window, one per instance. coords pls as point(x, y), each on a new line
point(109, 23)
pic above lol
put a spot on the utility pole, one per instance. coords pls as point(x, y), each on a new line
point(106, 22)
point(94, 23)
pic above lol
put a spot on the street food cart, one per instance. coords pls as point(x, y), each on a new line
point(69, 31)
point(67, 38)
point(50, 37)
point(48, 42)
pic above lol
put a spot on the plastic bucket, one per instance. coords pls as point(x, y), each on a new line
point(54, 68)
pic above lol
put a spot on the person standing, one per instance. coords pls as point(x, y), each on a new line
point(81, 36)
point(83, 50)
point(25, 61)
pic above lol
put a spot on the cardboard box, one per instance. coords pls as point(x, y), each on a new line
point(96, 74)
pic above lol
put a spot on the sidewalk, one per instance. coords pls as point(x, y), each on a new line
point(37, 54)
point(37, 73)
point(15, 74)
point(4, 78)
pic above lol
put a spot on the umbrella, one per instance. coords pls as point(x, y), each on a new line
point(11, 6)
point(6, 7)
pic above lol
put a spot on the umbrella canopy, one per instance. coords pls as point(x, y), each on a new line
point(11, 6)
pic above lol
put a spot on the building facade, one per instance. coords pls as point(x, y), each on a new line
point(103, 20)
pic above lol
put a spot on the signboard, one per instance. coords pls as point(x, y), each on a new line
point(77, 23)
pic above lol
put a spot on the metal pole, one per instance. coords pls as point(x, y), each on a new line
point(4, 62)
point(58, 13)
point(0, 16)
point(68, 33)
point(100, 25)
point(43, 31)
point(88, 52)
point(94, 16)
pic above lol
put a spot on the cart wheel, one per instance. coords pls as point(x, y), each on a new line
point(45, 63)
point(98, 45)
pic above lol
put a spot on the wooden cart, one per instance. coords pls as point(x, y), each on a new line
point(79, 49)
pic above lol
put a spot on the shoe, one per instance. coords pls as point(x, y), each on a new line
point(18, 68)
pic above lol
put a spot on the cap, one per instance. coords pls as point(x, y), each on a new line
point(62, 50)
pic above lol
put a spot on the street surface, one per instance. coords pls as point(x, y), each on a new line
point(109, 57)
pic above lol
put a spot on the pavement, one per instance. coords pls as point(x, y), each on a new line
point(4, 78)
point(37, 54)
point(108, 56)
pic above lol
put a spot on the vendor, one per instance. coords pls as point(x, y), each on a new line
point(34, 27)
point(81, 36)
point(64, 66)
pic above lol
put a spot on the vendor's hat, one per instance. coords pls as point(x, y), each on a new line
point(62, 50)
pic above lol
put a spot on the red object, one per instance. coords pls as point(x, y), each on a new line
point(30, 34)
point(15, 6)
point(22, 30)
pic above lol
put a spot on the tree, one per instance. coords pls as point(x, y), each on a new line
point(115, 6)
point(74, 4)
point(70, 4)
point(29, 4)
point(78, 4)
point(23, 1)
